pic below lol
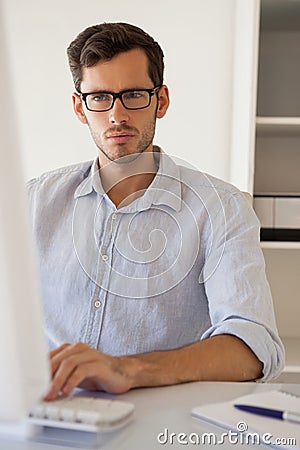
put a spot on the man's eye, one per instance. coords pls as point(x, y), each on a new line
point(133, 95)
point(100, 98)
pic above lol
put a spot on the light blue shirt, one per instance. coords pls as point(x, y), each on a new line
point(179, 264)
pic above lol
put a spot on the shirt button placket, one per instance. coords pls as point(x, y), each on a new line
point(99, 303)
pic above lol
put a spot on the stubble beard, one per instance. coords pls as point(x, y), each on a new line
point(122, 155)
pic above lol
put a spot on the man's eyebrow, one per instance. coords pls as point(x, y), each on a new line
point(106, 91)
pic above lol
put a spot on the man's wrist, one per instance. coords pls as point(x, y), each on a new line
point(138, 371)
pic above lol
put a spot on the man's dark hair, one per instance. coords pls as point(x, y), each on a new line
point(103, 41)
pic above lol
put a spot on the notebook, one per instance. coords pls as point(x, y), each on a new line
point(252, 428)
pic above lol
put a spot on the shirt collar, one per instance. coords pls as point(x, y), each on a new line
point(165, 189)
point(166, 185)
point(91, 183)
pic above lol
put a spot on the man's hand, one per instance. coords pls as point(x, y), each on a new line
point(78, 365)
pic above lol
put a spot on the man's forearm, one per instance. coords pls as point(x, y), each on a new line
point(219, 358)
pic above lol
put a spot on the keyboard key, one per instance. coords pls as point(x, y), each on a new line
point(91, 417)
point(52, 412)
point(68, 414)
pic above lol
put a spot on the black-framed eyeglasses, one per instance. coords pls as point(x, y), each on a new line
point(130, 98)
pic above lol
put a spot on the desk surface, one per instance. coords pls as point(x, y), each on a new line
point(157, 409)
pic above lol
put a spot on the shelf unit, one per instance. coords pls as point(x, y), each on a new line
point(277, 155)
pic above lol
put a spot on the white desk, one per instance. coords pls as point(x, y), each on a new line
point(156, 409)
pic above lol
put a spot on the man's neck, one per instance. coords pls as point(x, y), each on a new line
point(127, 180)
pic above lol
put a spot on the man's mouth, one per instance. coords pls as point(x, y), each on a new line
point(120, 138)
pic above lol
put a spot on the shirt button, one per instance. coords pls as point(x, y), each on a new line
point(113, 216)
point(97, 304)
point(104, 257)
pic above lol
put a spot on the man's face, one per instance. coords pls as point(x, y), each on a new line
point(121, 132)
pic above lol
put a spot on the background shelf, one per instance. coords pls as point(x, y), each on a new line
point(280, 245)
point(292, 348)
point(277, 126)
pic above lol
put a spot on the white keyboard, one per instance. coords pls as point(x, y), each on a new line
point(82, 414)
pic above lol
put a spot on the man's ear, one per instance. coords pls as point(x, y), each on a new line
point(78, 109)
point(163, 101)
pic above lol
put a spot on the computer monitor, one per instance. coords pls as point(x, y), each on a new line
point(24, 370)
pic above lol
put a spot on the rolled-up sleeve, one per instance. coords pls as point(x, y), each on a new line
point(238, 292)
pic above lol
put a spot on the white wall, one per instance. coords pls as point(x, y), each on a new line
point(197, 38)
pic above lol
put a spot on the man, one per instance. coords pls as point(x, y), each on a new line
point(151, 272)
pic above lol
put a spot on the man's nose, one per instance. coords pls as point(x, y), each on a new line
point(118, 113)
